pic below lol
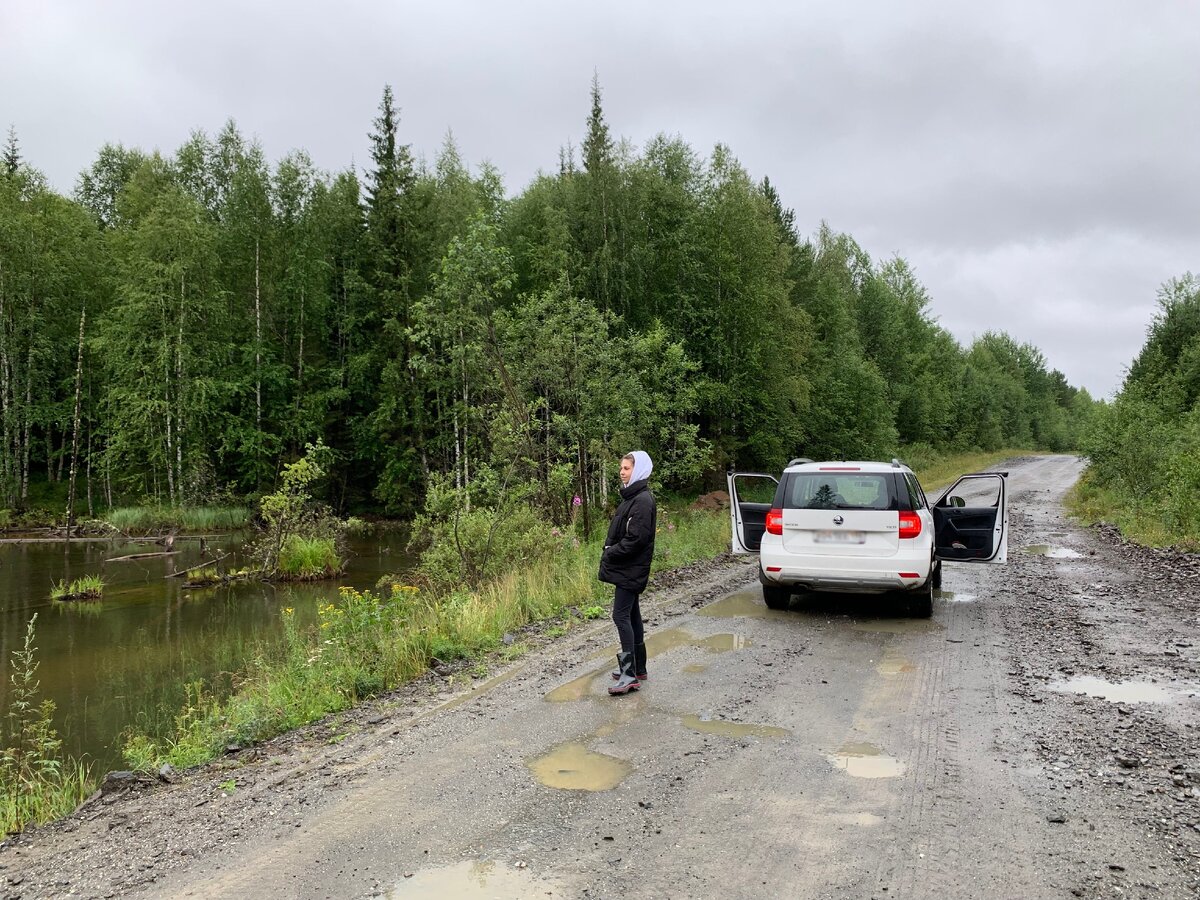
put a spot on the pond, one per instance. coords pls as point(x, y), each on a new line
point(127, 658)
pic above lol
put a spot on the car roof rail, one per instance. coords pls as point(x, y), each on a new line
point(896, 464)
point(798, 461)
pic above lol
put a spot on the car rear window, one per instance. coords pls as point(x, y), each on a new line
point(839, 490)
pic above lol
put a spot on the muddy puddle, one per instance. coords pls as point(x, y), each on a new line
point(898, 626)
point(1050, 552)
point(594, 683)
point(573, 767)
point(1122, 691)
point(724, 728)
point(955, 597)
point(474, 879)
point(866, 761)
point(742, 605)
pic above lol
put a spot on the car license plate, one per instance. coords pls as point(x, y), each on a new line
point(841, 537)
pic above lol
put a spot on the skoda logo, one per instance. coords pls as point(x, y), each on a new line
point(838, 520)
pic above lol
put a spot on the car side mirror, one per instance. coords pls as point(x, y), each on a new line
point(955, 500)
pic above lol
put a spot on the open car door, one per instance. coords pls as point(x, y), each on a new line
point(970, 520)
point(750, 496)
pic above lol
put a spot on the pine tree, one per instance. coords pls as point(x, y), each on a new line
point(12, 154)
point(396, 421)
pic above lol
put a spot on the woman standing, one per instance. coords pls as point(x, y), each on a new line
point(625, 563)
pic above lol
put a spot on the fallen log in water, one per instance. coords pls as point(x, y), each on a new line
point(141, 556)
point(203, 565)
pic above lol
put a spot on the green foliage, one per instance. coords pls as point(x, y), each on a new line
point(1144, 447)
point(469, 545)
point(36, 783)
point(422, 325)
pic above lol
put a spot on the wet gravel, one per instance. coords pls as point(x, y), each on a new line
point(1130, 616)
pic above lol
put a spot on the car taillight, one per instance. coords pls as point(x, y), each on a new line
point(910, 525)
point(775, 521)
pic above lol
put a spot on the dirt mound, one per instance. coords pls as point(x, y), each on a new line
point(711, 501)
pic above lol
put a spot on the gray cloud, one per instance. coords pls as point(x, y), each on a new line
point(1033, 161)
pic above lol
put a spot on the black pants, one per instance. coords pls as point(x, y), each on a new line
point(627, 616)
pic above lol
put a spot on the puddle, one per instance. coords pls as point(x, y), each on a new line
point(866, 761)
point(657, 643)
point(732, 729)
point(573, 767)
point(723, 643)
point(742, 605)
point(695, 668)
point(1117, 692)
point(1053, 552)
point(473, 878)
point(578, 689)
point(897, 665)
point(898, 626)
point(955, 597)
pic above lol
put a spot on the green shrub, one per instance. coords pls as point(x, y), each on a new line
point(474, 546)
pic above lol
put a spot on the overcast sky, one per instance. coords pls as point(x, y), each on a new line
point(1036, 162)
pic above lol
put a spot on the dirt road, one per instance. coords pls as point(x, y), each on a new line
point(833, 750)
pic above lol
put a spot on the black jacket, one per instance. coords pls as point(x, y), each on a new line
point(629, 547)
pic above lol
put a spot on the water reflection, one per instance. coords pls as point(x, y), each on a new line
point(125, 659)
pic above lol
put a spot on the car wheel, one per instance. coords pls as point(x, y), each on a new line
point(920, 602)
point(776, 597)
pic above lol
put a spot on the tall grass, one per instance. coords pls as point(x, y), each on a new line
point(89, 587)
point(374, 641)
point(308, 558)
point(1140, 518)
point(132, 519)
point(36, 783)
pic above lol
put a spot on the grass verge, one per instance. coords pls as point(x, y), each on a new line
point(1139, 519)
point(374, 641)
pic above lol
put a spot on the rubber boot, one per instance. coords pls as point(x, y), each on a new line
point(639, 663)
point(628, 680)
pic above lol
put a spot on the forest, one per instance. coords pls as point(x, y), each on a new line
point(181, 326)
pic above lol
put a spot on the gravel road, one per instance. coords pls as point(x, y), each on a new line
point(1038, 737)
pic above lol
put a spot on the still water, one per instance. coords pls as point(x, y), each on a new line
point(126, 659)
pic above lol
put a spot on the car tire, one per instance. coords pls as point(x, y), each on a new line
point(920, 603)
point(776, 597)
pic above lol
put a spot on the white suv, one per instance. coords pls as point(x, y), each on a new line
point(864, 527)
